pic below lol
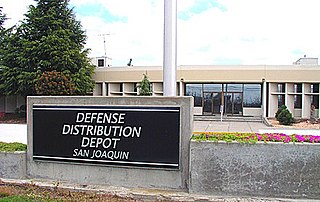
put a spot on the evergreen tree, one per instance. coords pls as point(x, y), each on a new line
point(145, 86)
point(2, 29)
point(2, 36)
point(2, 18)
point(48, 39)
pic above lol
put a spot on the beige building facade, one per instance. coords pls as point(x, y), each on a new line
point(239, 90)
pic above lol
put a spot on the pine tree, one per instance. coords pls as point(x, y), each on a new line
point(145, 86)
point(48, 39)
point(2, 18)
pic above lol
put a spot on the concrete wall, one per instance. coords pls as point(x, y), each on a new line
point(247, 111)
point(13, 165)
point(197, 110)
point(113, 175)
point(266, 170)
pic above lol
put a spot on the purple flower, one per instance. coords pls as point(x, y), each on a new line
point(300, 138)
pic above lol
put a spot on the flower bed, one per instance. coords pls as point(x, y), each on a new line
point(255, 137)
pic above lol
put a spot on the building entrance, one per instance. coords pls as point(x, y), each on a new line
point(234, 97)
point(211, 103)
point(232, 103)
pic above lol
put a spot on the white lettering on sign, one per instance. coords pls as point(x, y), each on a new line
point(100, 118)
point(96, 142)
point(98, 130)
point(101, 134)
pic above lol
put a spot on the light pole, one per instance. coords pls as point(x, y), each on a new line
point(170, 48)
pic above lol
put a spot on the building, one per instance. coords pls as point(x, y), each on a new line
point(239, 90)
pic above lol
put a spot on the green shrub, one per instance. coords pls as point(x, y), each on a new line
point(12, 147)
point(279, 110)
point(284, 116)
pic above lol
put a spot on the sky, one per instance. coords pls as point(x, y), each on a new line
point(210, 32)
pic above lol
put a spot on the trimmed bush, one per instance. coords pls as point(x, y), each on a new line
point(284, 116)
point(279, 110)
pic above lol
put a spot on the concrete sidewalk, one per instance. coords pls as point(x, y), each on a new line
point(228, 126)
point(13, 133)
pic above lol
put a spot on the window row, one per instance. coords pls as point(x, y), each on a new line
point(297, 88)
point(298, 101)
point(251, 93)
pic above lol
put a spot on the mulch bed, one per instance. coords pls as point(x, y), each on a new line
point(298, 124)
point(38, 193)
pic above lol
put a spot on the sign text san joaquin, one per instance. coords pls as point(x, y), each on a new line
point(109, 135)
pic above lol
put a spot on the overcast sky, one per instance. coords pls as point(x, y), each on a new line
point(210, 32)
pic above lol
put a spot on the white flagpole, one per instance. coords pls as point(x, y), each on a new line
point(170, 48)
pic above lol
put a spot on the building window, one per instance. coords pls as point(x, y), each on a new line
point(297, 101)
point(98, 89)
point(234, 87)
point(281, 88)
point(107, 88)
point(298, 88)
point(212, 87)
point(195, 90)
point(252, 95)
point(315, 100)
point(100, 62)
point(281, 100)
point(314, 88)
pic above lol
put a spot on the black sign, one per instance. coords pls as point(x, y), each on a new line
point(109, 135)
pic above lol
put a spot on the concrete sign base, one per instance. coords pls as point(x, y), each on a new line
point(69, 139)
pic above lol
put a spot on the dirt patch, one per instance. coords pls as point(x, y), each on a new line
point(299, 124)
point(38, 193)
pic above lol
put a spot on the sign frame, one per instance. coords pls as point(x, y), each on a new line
point(51, 108)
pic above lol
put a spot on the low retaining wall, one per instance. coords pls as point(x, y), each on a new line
point(13, 165)
point(267, 170)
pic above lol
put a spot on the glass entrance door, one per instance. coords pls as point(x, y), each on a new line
point(233, 103)
point(216, 103)
point(211, 103)
point(207, 104)
point(237, 103)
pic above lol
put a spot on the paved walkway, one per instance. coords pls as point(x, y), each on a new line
point(227, 126)
point(13, 133)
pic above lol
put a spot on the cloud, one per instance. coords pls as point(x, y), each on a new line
point(14, 10)
point(197, 7)
point(253, 32)
point(138, 37)
point(209, 31)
